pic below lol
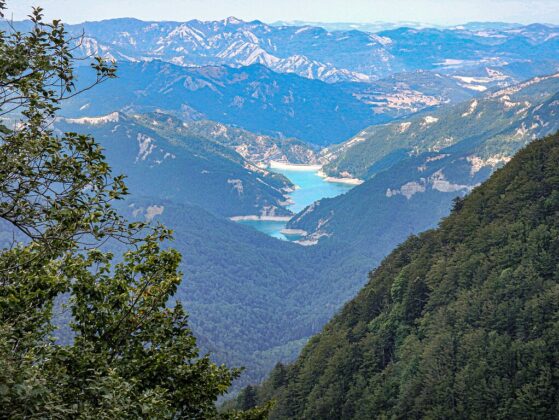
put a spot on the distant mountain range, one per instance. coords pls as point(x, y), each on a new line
point(347, 54)
point(342, 53)
point(415, 167)
point(281, 105)
point(287, 81)
point(314, 52)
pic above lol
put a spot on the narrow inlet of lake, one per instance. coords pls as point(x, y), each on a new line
point(310, 188)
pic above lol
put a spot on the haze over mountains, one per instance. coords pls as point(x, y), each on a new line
point(420, 115)
point(384, 26)
point(314, 52)
point(294, 77)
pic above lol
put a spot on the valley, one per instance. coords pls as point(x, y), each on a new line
point(399, 178)
point(361, 217)
point(309, 187)
point(446, 300)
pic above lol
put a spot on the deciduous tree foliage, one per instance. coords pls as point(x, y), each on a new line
point(460, 322)
point(132, 353)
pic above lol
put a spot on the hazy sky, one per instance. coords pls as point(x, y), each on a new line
point(429, 11)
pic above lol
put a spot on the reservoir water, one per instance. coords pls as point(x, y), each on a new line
point(311, 187)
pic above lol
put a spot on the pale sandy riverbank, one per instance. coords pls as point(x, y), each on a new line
point(307, 242)
point(257, 218)
point(349, 181)
point(297, 232)
point(312, 168)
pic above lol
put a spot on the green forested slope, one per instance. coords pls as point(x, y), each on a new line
point(495, 125)
point(255, 148)
point(253, 300)
point(161, 161)
point(460, 322)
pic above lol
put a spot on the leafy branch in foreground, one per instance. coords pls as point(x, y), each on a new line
point(131, 352)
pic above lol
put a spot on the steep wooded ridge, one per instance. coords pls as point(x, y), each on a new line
point(417, 166)
point(195, 164)
point(458, 322)
point(494, 124)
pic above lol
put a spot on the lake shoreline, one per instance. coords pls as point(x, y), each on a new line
point(286, 166)
point(348, 181)
point(310, 184)
point(294, 232)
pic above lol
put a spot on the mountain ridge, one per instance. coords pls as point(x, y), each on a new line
point(219, 179)
point(505, 107)
point(286, 105)
point(457, 322)
point(362, 56)
point(312, 51)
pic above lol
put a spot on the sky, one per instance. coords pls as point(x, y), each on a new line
point(440, 12)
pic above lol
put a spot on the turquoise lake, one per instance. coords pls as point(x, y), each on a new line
point(311, 188)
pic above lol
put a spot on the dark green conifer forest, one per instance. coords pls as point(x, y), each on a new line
point(461, 322)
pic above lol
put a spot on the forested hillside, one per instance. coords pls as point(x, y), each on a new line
point(253, 97)
point(163, 159)
point(458, 322)
point(416, 167)
point(493, 125)
point(247, 294)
